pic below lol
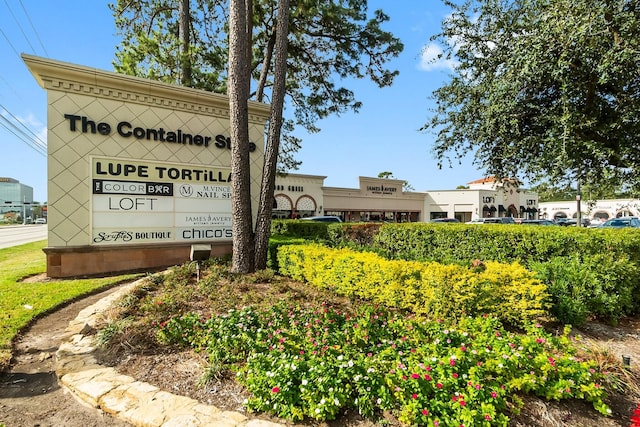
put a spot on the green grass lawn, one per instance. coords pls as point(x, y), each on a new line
point(21, 302)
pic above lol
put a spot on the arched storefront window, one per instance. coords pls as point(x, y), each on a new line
point(624, 212)
point(559, 215)
point(305, 207)
point(281, 207)
point(601, 215)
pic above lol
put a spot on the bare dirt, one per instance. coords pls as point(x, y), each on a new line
point(31, 396)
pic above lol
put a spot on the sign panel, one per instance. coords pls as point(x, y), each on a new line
point(141, 202)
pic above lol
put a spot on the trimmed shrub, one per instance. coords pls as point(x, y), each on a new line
point(507, 291)
point(595, 285)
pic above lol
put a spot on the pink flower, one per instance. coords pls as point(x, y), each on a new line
point(439, 385)
point(487, 417)
point(454, 375)
point(414, 396)
point(427, 377)
point(452, 362)
point(425, 412)
point(275, 390)
point(415, 376)
point(494, 394)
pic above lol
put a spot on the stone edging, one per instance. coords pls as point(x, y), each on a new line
point(123, 397)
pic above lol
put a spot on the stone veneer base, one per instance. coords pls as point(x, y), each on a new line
point(93, 261)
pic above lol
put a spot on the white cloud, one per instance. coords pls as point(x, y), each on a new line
point(432, 59)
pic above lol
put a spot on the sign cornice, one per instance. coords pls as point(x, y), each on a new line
point(67, 77)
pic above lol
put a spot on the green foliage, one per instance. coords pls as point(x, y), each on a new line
point(438, 291)
point(356, 235)
point(589, 272)
point(558, 103)
point(329, 42)
point(596, 285)
point(319, 362)
point(309, 230)
point(22, 302)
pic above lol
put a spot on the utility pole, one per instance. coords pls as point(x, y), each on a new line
point(579, 212)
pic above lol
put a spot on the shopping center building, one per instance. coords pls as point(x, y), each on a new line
point(594, 210)
point(380, 199)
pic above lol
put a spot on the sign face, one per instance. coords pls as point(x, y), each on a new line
point(141, 202)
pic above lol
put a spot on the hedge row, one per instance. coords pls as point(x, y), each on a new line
point(589, 272)
point(507, 291)
point(451, 243)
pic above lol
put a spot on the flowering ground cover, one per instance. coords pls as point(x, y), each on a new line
point(306, 355)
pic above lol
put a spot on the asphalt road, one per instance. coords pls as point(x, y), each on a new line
point(21, 234)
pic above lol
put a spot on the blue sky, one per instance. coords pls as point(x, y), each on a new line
point(383, 136)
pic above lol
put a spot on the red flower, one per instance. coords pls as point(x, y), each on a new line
point(415, 376)
point(425, 412)
point(414, 396)
point(275, 390)
point(635, 417)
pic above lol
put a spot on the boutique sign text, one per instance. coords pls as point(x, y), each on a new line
point(126, 129)
point(139, 202)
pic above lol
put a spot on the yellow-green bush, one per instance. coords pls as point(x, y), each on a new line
point(507, 291)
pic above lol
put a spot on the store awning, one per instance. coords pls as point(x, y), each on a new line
point(501, 208)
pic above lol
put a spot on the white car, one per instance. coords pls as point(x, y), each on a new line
point(41, 221)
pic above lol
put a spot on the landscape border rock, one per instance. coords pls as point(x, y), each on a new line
point(135, 402)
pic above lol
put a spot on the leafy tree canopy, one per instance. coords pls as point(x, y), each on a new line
point(542, 89)
point(329, 41)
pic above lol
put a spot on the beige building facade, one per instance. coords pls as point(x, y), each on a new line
point(138, 170)
point(376, 199)
point(484, 198)
point(596, 211)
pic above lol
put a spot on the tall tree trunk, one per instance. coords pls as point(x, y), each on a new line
point(266, 66)
point(265, 208)
point(185, 43)
point(239, 90)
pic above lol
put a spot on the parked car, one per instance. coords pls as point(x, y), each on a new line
point(537, 222)
point(622, 222)
point(571, 222)
point(41, 221)
point(495, 220)
point(322, 218)
point(445, 220)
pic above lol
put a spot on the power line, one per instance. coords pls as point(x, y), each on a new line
point(35, 136)
point(10, 44)
point(20, 26)
point(22, 132)
point(20, 135)
point(34, 28)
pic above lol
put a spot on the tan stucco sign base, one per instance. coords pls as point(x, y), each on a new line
point(138, 171)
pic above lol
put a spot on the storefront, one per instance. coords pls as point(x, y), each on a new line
point(484, 198)
point(595, 210)
point(377, 199)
